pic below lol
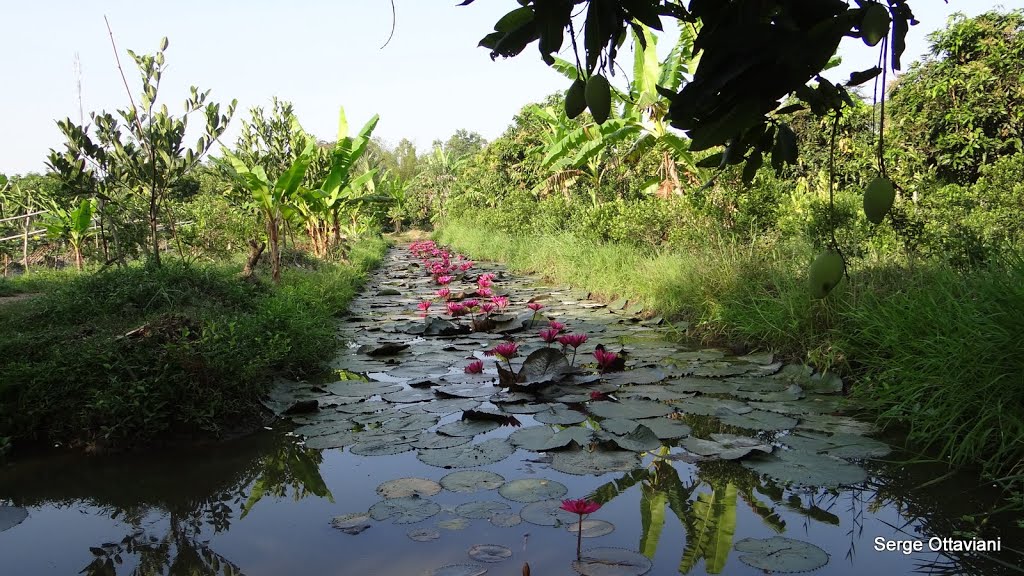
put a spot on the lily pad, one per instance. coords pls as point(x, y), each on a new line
point(612, 562)
point(780, 554)
point(666, 428)
point(457, 570)
point(630, 409)
point(619, 425)
point(710, 406)
point(11, 516)
point(444, 406)
point(411, 423)
point(838, 445)
point(560, 415)
point(592, 528)
point(490, 553)
point(407, 510)
point(359, 388)
point(423, 534)
point(505, 519)
point(702, 385)
point(336, 440)
point(471, 481)
point(469, 455)
point(481, 509)
point(532, 490)
point(544, 366)
point(382, 446)
point(595, 462)
point(806, 469)
point(653, 392)
point(525, 408)
point(639, 439)
point(835, 424)
point(541, 438)
point(454, 524)
point(725, 446)
point(636, 376)
point(351, 523)
point(466, 390)
point(547, 513)
point(467, 427)
point(756, 420)
point(435, 441)
point(409, 396)
point(406, 487)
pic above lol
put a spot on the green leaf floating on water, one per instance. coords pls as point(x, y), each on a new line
point(591, 528)
point(806, 469)
point(528, 490)
point(465, 481)
point(666, 428)
point(468, 455)
point(542, 367)
point(407, 510)
point(481, 509)
point(595, 462)
point(639, 439)
point(457, 570)
point(435, 441)
point(406, 487)
point(780, 554)
point(838, 445)
point(560, 415)
point(467, 427)
point(612, 562)
point(756, 420)
point(489, 553)
point(541, 438)
point(629, 409)
point(725, 446)
point(547, 513)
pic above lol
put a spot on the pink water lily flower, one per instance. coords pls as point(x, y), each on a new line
point(457, 309)
point(500, 301)
point(549, 335)
point(476, 367)
point(605, 359)
point(444, 293)
point(444, 279)
point(506, 349)
point(425, 305)
point(535, 306)
point(483, 282)
point(484, 292)
point(487, 307)
point(582, 507)
point(466, 265)
point(556, 326)
point(572, 340)
point(470, 303)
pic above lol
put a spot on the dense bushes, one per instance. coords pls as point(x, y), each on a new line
point(131, 355)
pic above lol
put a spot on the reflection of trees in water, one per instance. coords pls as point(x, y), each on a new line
point(706, 506)
point(198, 492)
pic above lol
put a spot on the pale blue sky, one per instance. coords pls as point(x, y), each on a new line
point(319, 54)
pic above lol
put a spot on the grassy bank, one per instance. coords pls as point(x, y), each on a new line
point(929, 348)
point(137, 355)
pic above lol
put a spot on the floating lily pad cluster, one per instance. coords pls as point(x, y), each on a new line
point(453, 385)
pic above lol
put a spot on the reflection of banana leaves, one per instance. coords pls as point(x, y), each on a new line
point(652, 518)
point(176, 554)
point(710, 530)
point(291, 466)
point(609, 490)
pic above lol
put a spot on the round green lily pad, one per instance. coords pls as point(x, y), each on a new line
point(532, 490)
point(446, 406)
point(457, 570)
point(481, 509)
point(323, 428)
point(505, 519)
point(351, 523)
point(471, 481)
point(468, 455)
point(405, 487)
point(612, 562)
point(706, 406)
point(547, 513)
point(666, 428)
point(780, 554)
point(525, 408)
point(541, 438)
point(806, 469)
point(618, 426)
point(454, 524)
point(756, 420)
point(411, 423)
point(560, 415)
point(629, 409)
point(423, 534)
point(364, 389)
point(467, 427)
point(466, 390)
point(490, 553)
point(592, 528)
point(409, 396)
point(336, 440)
point(435, 441)
point(381, 446)
point(725, 446)
point(838, 445)
point(595, 462)
point(407, 510)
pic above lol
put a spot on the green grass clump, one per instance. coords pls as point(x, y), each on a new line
point(926, 346)
point(73, 370)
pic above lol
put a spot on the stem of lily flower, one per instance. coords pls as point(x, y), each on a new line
point(579, 538)
point(573, 361)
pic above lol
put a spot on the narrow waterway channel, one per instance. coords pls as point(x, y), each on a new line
point(400, 462)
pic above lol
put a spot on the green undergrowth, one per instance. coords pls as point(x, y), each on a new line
point(932, 350)
point(134, 356)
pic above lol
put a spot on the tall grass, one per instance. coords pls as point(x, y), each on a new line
point(77, 368)
point(928, 347)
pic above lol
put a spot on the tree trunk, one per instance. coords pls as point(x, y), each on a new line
point(24, 244)
point(337, 228)
point(153, 221)
point(275, 252)
point(78, 256)
point(255, 251)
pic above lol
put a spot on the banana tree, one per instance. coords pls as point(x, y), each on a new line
point(644, 108)
point(273, 198)
point(71, 224)
point(585, 152)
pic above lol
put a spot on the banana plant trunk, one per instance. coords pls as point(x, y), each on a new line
point(24, 243)
point(336, 227)
point(79, 261)
point(275, 252)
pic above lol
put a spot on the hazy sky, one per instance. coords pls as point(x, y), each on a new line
point(319, 54)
